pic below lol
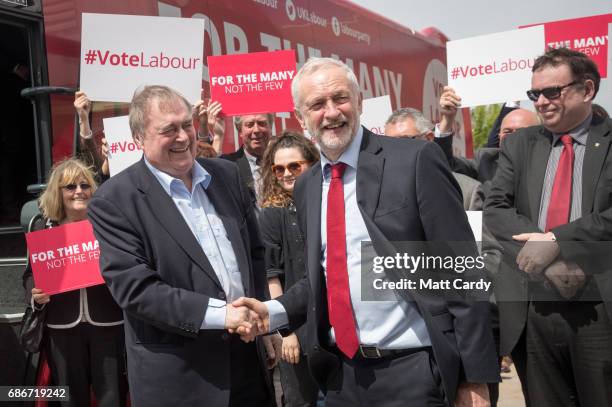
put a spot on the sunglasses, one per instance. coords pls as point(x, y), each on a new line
point(295, 168)
point(72, 187)
point(554, 92)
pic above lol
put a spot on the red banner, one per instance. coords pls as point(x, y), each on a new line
point(64, 258)
point(259, 82)
point(587, 34)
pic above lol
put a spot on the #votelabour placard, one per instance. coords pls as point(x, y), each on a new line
point(119, 53)
point(258, 82)
point(494, 68)
point(64, 258)
point(122, 150)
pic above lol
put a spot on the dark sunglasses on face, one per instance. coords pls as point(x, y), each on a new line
point(72, 187)
point(295, 168)
point(551, 93)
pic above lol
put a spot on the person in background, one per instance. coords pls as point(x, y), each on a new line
point(286, 157)
point(84, 339)
point(92, 153)
point(254, 131)
point(411, 123)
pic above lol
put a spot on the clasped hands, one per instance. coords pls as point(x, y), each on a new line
point(248, 318)
point(539, 260)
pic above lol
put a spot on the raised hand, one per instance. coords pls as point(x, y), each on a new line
point(450, 102)
point(82, 104)
point(39, 296)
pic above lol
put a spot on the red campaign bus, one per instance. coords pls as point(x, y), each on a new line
point(40, 52)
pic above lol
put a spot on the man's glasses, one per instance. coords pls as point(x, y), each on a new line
point(72, 187)
point(551, 93)
point(295, 168)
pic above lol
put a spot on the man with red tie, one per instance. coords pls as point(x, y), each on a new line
point(367, 194)
point(550, 206)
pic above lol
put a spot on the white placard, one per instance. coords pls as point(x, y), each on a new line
point(376, 111)
point(475, 219)
point(494, 68)
point(122, 150)
point(119, 53)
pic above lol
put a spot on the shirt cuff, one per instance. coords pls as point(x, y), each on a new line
point(277, 314)
point(214, 317)
point(438, 133)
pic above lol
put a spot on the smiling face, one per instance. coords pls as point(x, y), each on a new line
point(75, 201)
point(564, 113)
point(329, 107)
point(168, 142)
point(285, 156)
point(255, 133)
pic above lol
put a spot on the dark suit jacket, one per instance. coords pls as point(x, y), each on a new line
point(159, 275)
point(482, 167)
point(405, 192)
point(245, 170)
point(513, 204)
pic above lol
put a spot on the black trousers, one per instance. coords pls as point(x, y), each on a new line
point(86, 358)
point(299, 388)
point(248, 378)
point(396, 381)
point(569, 354)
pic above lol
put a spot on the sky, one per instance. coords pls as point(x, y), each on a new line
point(468, 18)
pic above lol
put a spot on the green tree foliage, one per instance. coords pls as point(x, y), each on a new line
point(483, 118)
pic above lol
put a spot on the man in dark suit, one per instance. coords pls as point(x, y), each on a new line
point(418, 348)
point(254, 131)
point(550, 207)
point(178, 240)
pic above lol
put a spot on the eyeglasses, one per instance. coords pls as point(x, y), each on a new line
point(72, 187)
point(551, 93)
point(295, 168)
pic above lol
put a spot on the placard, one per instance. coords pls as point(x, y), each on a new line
point(375, 113)
point(494, 68)
point(122, 150)
point(259, 82)
point(120, 53)
point(64, 258)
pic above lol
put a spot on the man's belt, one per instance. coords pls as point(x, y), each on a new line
point(372, 352)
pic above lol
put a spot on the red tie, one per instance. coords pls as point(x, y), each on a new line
point(338, 293)
point(561, 196)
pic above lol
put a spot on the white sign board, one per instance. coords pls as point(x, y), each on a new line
point(119, 53)
point(122, 150)
point(494, 68)
point(376, 111)
point(475, 220)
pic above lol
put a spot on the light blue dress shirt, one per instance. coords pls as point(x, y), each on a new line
point(385, 324)
point(201, 217)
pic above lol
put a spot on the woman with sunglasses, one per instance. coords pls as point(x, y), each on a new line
point(285, 158)
point(83, 337)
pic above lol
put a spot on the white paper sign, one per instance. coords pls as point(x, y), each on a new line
point(475, 219)
point(494, 68)
point(122, 150)
point(119, 53)
point(376, 111)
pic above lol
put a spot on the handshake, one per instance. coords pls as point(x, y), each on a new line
point(248, 318)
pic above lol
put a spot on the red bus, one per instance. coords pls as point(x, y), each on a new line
point(40, 52)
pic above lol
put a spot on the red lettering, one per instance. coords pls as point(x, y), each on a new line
point(102, 59)
point(115, 59)
point(134, 60)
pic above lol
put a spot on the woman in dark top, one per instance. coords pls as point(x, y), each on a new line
point(286, 157)
point(83, 337)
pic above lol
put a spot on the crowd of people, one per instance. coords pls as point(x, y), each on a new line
point(219, 266)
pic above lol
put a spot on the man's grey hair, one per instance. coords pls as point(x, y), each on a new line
point(315, 64)
point(238, 121)
point(141, 104)
point(422, 123)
